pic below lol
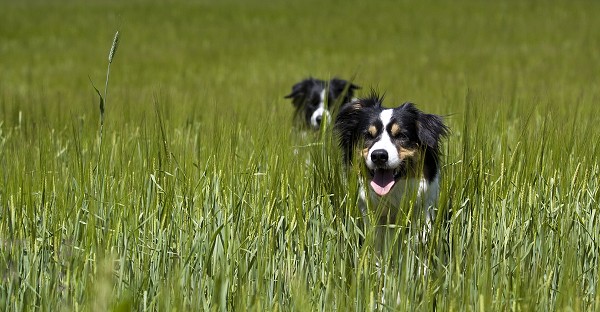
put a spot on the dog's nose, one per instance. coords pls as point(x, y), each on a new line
point(318, 120)
point(379, 157)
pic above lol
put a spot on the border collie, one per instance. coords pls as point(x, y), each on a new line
point(312, 97)
point(400, 148)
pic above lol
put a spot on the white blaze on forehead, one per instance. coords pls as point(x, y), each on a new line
point(322, 103)
point(385, 116)
point(385, 143)
point(319, 112)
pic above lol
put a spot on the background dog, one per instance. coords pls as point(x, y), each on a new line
point(313, 99)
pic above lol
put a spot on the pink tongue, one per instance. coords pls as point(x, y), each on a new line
point(382, 182)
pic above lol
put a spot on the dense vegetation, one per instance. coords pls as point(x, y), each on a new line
point(201, 195)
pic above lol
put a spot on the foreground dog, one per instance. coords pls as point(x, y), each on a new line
point(400, 148)
point(312, 98)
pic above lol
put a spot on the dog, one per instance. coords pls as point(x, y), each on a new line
point(313, 98)
point(400, 150)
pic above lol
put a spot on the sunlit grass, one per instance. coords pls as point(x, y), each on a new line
point(206, 198)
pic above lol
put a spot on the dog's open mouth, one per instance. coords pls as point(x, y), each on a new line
point(383, 180)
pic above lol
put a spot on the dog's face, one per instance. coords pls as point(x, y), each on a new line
point(395, 143)
point(313, 98)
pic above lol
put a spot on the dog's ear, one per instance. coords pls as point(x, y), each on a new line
point(430, 129)
point(340, 86)
point(347, 127)
point(298, 90)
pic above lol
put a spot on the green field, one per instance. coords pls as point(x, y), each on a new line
point(200, 195)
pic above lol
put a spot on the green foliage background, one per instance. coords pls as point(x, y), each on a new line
point(202, 195)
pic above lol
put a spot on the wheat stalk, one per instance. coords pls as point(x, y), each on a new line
point(111, 55)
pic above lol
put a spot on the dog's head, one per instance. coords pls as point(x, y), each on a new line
point(395, 143)
point(314, 98)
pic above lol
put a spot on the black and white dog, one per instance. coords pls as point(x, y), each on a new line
point(313, 98)
point(400, 148)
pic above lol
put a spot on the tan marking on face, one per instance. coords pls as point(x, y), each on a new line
point(407, 153)
point(412, 159)
point(395, 130)
point(373, 131)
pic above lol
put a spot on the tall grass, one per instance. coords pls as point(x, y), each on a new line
point(206, 198)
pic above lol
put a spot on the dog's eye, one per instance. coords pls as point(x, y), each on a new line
point(399, 135)
point(372, 132)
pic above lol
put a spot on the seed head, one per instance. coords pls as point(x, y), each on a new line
point(113, 49)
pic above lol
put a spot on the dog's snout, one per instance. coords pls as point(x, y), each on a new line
point(318, 119)
point(379, 157)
